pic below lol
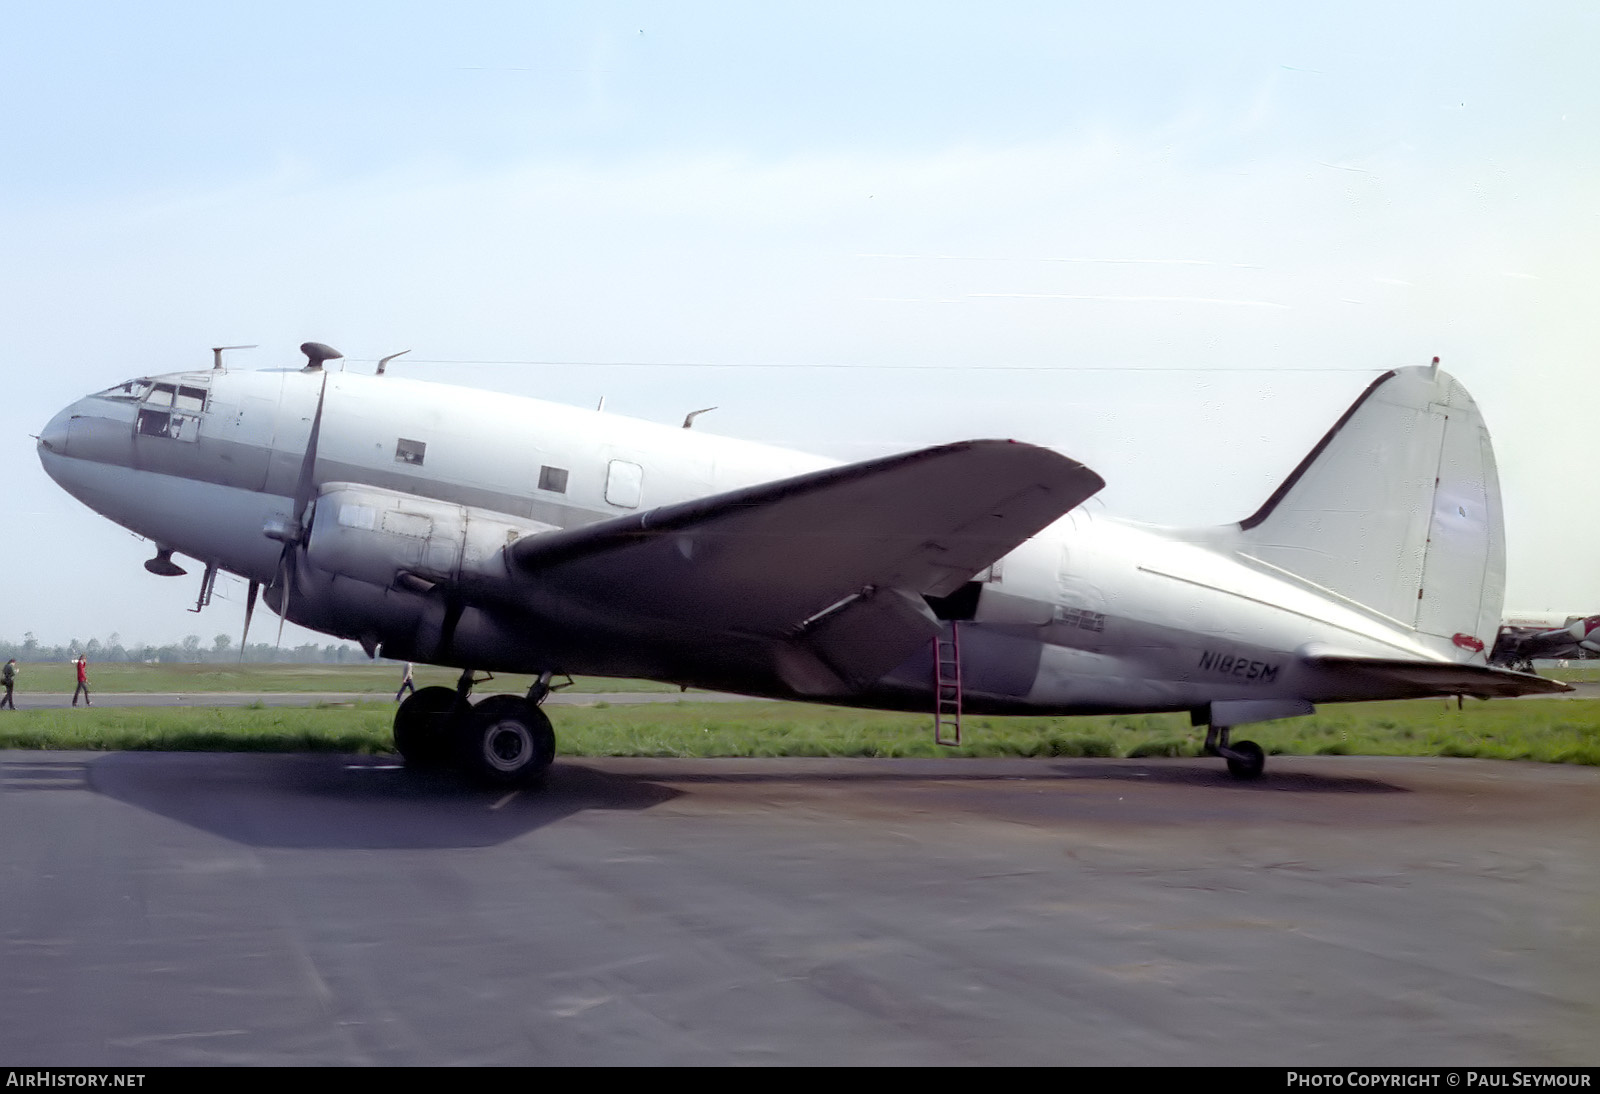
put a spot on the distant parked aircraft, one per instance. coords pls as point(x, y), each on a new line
point(1524, 638)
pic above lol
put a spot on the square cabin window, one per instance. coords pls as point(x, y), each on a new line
point(553, 479)
point(409, 452)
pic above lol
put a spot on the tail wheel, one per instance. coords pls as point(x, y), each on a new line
point(506, 741)
point(422, 727)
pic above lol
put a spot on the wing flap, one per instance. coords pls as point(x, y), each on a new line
point(767, 559)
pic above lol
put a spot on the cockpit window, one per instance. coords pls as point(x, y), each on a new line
point(172, 410)
point(131, 389)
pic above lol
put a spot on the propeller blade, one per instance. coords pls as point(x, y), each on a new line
point(304, 492)
point(305, 489)
point(285, 582)
point(249, 610)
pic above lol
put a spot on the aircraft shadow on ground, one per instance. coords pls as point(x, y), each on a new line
point(372, 803)
point(354, 803)
point(1210, 775)
point(1303, 782)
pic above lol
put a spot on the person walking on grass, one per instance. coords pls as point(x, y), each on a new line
point(83, 681)
point(8, 677)
point(405, 683)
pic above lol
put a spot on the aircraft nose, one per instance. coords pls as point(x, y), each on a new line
point(53, 437)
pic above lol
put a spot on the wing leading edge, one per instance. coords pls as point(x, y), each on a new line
point(837, 559)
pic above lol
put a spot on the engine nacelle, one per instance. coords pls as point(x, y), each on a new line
point(388, 538)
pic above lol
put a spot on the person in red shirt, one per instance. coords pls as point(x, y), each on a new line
point(83, 682)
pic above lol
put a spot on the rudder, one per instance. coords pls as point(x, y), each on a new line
point(1398, 509)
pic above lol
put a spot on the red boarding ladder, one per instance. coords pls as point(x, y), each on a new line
point(947, 688)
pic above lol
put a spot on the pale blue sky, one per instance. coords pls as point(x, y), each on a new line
point(1011, 194)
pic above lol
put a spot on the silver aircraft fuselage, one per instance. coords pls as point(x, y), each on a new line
point(1093, 614)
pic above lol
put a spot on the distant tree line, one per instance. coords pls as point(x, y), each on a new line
point(189, 651)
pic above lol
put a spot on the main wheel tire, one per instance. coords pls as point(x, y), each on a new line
point(506, 741)
point(422, 727)
point(1247, 760)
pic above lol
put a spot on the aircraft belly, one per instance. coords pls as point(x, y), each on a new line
point(1150, 678)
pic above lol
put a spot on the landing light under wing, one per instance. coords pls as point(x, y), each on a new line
point(767, 559)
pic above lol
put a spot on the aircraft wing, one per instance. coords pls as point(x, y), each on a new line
point(848, 550)
point(1443, 677)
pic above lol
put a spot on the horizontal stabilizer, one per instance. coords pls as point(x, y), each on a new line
point(771, 558)
point(1424, 678)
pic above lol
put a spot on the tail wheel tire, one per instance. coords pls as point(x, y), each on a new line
point(1247, 760)
point(422, 727)
point(506, 741)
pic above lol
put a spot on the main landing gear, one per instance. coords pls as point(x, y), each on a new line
point(1245, 759)
point(503, 740)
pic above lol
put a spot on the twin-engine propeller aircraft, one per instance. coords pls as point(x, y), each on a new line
point(489, 533)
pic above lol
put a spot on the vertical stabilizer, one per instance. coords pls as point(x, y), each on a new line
point(1398, 509)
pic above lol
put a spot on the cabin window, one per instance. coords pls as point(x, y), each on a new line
point(553, 479)
point(161, 395)
point(624, 484)
point(410, 452)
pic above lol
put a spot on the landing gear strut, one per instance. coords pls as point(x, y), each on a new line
point(503, 740)
point(1245, 759)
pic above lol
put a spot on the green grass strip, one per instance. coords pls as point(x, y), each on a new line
point(1554, 731)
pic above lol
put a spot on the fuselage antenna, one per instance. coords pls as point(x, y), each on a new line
point(216, 355)
point(383, 362)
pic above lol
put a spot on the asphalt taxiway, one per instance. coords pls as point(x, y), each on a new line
point(305, 909)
